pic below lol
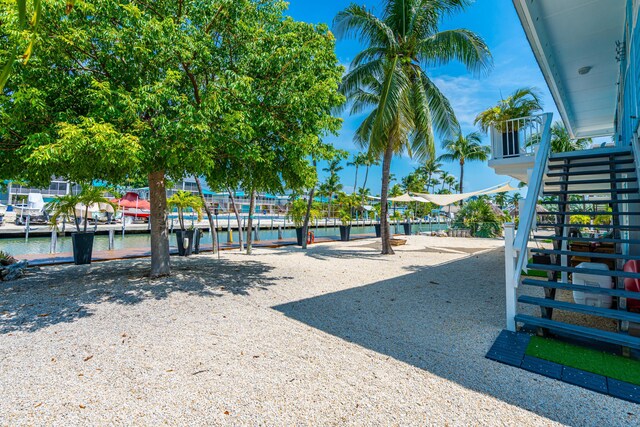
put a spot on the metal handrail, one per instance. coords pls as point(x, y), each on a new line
point(535, 187)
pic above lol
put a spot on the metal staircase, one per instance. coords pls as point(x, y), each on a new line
point(610, 175)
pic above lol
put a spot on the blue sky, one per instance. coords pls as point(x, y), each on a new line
point(514, 67)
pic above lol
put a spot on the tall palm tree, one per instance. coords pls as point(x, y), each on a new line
point(359, 159)
point(330, 188)
point(451, 182)
point(369, 161)
point(444, 175)
point(389, 78)
point(463, 149)
point(430, 168)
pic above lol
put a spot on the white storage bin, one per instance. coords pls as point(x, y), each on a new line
point(594, 300)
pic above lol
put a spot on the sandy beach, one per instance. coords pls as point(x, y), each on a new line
point(338, 335)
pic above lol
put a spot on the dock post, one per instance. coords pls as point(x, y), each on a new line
point(256, 233)
point(112, 235)
point(26, 228)
point(280, 232)
point(229, 233)
point(124, 225)
point(54, 241)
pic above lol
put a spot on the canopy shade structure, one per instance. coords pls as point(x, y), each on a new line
point(447, 199)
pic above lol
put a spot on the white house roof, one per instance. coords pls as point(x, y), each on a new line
point(569, 35)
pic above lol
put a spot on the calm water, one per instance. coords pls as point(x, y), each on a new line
point(41, 245)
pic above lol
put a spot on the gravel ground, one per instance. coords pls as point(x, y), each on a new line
point(336, 336)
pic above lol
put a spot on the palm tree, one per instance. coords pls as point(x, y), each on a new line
point(463, 149)
point(359, 159)
point(521, 103)
point(561, 141)
point(430, 168)
point(444, 175)
point(451, 182)
point(369, 161)
point(330, 187)
point(500, 199)
point(183, 200)
point(389, 78)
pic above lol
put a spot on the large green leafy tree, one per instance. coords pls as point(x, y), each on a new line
point(169, 83)
point(291, 77)
point(389, 78)
point(463, 149)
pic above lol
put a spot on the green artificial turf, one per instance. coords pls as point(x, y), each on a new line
point(597, 362)
point(534, 273)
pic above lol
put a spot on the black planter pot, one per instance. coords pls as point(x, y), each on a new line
point(377, 227)
point(510, 144)
point(82, 247)
point(407, 228)
point(299, 236)
point(345, 231)
point(181, 235)
point(196, 241)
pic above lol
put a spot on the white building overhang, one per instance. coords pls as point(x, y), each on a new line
point(571, 35)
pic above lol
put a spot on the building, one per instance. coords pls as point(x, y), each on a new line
point(589, 54)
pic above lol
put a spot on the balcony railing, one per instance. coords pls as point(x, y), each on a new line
point(517, 137)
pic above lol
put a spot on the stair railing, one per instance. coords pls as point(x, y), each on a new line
point(516, 248)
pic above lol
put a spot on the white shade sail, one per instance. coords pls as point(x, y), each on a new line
point(447, 199)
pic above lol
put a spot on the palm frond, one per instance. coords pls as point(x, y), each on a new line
point(462, 45)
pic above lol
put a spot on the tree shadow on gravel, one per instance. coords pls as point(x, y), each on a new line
point(443, 319)
point(53, 295)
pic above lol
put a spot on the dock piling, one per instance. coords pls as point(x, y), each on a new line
point(112, 234)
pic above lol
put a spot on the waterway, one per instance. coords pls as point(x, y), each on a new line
point(42, 245)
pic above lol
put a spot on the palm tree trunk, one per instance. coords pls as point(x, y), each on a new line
point(214, 232)
point(235, 211)
point(329, 207)
point(252, 208)
point(305, 225)
point(86, 220)
point(366, 176)
point(355, 184)
point(181, 218)
point(384, 196)
point(159, 233)
point(461, 179)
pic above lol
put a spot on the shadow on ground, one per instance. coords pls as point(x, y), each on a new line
point(443, 319)
point(64, 294)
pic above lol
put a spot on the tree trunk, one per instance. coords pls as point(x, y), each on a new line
point(366, 175)
point(235, 211)
point(384, 206)
point(305, 225)
point(181, 219)
point(212, 226)
point(355, 184)
point(329, 206)
point(159, 233)
point(252, 208)
point(461, 180)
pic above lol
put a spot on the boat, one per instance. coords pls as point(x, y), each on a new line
point(131, 205)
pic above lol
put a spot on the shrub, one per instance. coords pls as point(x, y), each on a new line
point(479, 217)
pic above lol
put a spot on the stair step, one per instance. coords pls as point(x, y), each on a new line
point(591, 254)
point(589, 239)
point(592, 172)
point(593, 271)
point(581, 308)
point(590, 154)
point(591, 181)
point(592, 213)
point(581, 331)
point(591, 191)
point(610, 227)
point(589, 202)
point(623, 161)
point(587, 289)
